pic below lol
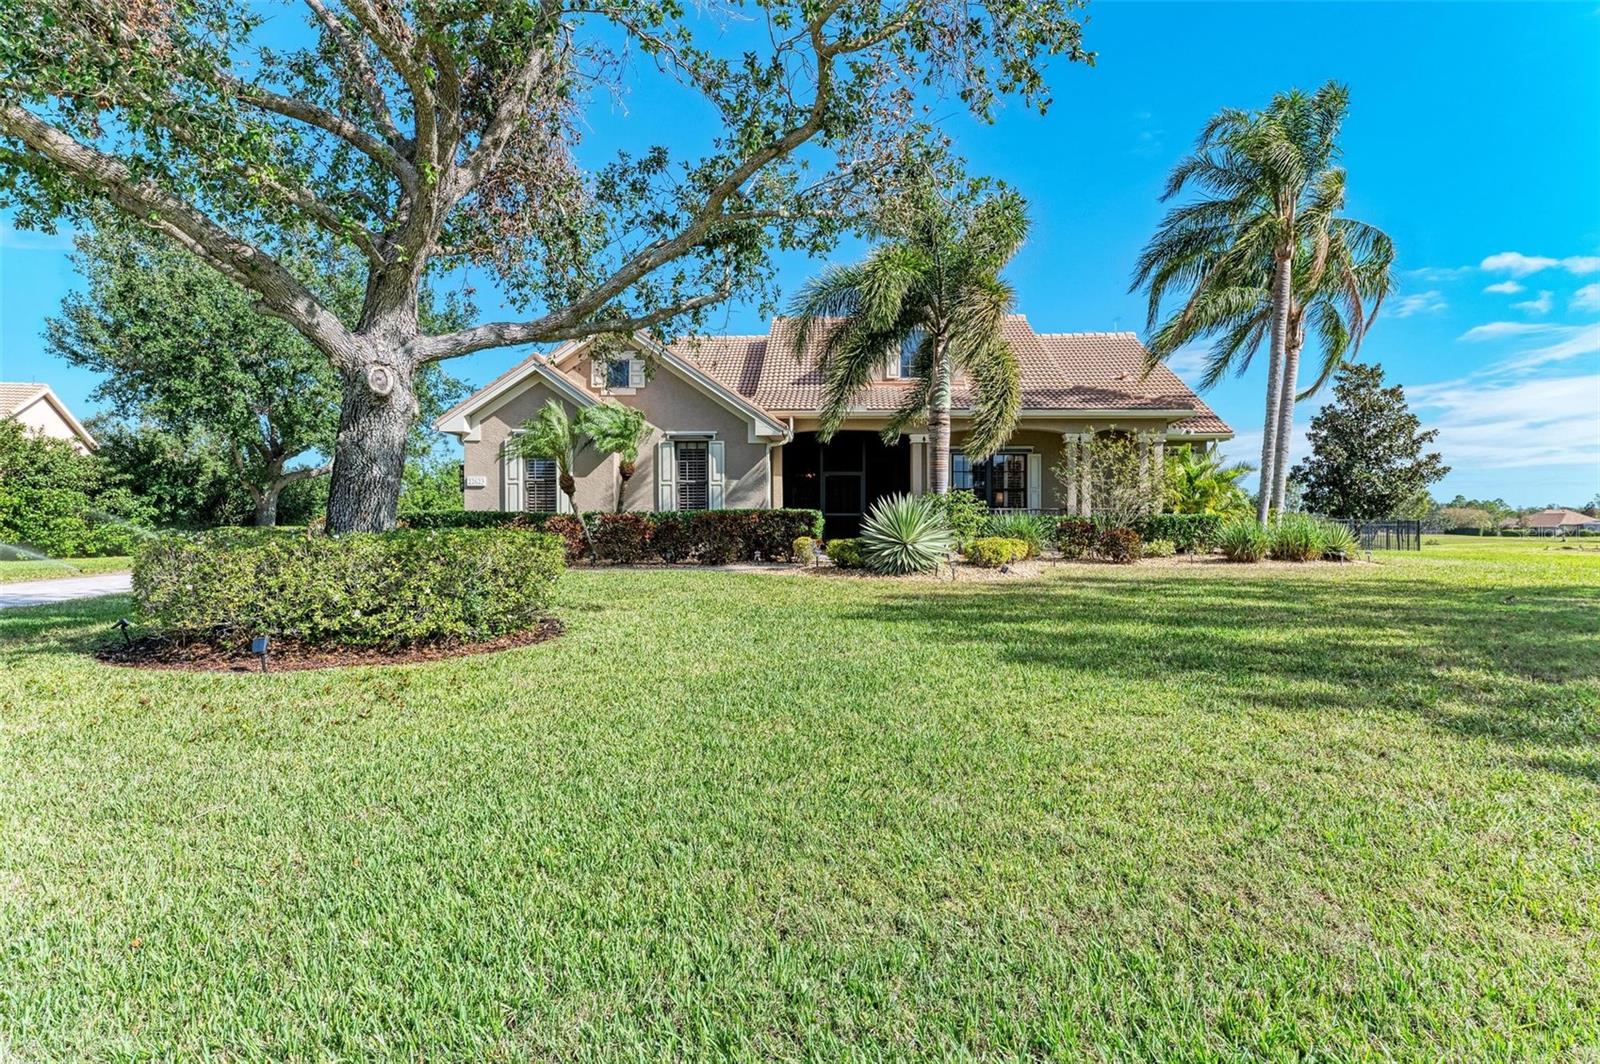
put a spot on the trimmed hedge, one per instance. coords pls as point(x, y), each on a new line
point(710, 537)
point(991, 552)
point(845, 553)
point(1189, 533)
point(360, 589)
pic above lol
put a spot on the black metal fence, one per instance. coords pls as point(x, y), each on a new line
point(1386, 535)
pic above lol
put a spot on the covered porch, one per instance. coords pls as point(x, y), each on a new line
point(843, 477)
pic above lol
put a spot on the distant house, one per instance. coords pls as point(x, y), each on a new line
point(42, 411)
point(1560, 523)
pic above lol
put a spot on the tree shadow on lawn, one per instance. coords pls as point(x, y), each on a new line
point(1517, 665)
point(77, 626)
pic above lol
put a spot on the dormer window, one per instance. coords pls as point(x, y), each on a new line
point(617, 374)
point(903, 363)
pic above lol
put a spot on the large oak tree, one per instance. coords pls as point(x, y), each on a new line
point(432, 134)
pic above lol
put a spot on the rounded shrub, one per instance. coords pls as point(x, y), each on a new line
point(804, 550)
point(1120, 545)
point(846, 553)
point(1076, 537)
point(1296, 538)
point(991, 552)
point(1160, 548)
point(361, 589)
point(964, 513)
point(1241, 539)
point(905, 534)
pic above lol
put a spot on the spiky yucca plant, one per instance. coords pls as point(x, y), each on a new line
point(905, 534)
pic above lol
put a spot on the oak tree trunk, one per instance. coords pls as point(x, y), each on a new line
point(1281, 288)
point(939, 424)
point(267, 507)
point(369, 456)
point(1280, 469)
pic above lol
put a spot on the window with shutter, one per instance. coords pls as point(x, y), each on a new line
point(693, 475)
point(542, 487)
point(617, 374)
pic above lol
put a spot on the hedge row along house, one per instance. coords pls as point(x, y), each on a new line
point(733, 424)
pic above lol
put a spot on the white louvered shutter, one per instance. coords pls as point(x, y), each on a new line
point(666, 476)
point(636, 373)
point(597, 373)
point(510, 478)
point(1036, 480)
point(714, 479)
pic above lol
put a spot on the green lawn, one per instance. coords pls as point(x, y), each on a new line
point(13, 571)
point(1186, 813)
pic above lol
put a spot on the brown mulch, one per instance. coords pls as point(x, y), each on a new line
point(286, 654)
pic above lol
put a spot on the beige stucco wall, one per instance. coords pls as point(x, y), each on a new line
point(41, 418)
point(669, 404)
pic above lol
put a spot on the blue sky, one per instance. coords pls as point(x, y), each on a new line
point(1474, 140)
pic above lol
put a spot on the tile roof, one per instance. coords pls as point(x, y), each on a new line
point(1060, 371)
point(1557, 518)
point(14, 396)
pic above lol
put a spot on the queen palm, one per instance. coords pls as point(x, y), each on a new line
point(619, 430)
point(933, 289)
point(1265, 254)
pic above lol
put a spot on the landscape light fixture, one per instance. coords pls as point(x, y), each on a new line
point(122, 626)
point(258, 647)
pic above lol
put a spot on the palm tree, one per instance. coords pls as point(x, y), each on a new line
point(934, 291)
point(552, 435)
point(1264, 254)
point(619, 430)
point(1199, 483)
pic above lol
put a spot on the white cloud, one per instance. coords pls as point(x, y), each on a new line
point(1246, 445)
point(1189, 362)
point(1586, 298)
point(1519, 265)
point(1541, 305)
point(1503, 422)
point(1559, 343)
point(1505, 288)
point(1439, 273)
point(1430, 302)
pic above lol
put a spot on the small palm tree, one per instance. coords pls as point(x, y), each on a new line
point(619, 430)
point(933, 290)
point(1199, 483)
point(1265, 254)
point(552, 435)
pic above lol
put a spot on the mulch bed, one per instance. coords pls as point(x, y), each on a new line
point(290, 655)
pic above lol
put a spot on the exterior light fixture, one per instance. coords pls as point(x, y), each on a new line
point(258, 647)
point(122, 626)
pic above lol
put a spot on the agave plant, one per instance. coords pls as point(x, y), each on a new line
point(905, 534)
point(1338, 542)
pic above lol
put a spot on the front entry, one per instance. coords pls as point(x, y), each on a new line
point(843, 477)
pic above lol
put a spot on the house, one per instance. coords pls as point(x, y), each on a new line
point(40, 410)
point(734, 424)
point(1560, 522)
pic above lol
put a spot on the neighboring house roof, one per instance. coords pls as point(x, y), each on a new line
point(1556, 519)
point(16, 398)
point(1060, 372)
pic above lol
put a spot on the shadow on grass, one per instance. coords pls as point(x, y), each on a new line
point(76, 626)
point(1517, 665)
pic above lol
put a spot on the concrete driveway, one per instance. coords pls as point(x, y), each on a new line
point(62, 589)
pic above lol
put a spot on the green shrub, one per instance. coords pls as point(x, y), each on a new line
point(570, 530)
point(964, 514)
point(670, 538)
point(804, 550)
point(1076, 537)
point(846, 553)
point(905, 534)
point(1120, 545)
point(721, 537)
point(1160, 548)
point(623, 538)
point(775, 531)
point(1243, 540)
point(991, 552)
point(1189, 533)
point(474, 519)
point(1296, 538)
point(1033, 529)
point(1339, 544)
point(360, 589)
point(61, 503)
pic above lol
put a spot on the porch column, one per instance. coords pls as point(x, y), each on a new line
point(919, 464)
point(1075, 458)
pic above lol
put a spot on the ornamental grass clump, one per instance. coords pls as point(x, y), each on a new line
point(1033, 529)
point(1296, 538)
point(1241, 539)
point(905, 534)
